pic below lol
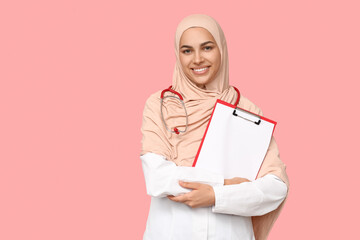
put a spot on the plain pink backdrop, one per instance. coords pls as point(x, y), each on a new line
point(74, 79)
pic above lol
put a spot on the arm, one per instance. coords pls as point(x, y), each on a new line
point(250, 198)
point(162, 176)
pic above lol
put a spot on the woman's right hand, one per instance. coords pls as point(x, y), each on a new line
point(235, 180)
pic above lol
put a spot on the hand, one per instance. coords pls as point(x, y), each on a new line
point(235, 180)
point(202, 195)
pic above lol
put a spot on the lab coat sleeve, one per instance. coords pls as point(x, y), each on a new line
point(254, 198)
point(162, 176)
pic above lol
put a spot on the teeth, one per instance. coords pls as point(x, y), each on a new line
point(200, 69)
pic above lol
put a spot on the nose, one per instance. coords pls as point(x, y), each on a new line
point(198, 58)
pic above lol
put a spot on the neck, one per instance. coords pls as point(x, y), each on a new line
point(201, 86)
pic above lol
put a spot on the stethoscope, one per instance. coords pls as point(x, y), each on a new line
point(180, 98)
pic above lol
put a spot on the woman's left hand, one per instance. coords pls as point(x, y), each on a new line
point(202, 195)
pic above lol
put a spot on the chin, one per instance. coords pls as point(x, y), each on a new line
point(203, 82)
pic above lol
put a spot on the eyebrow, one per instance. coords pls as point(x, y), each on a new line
point(204, 43)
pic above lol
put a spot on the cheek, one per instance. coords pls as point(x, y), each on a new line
point(217, 61)
point(216, 65)
point(215, 57)
point(183, 62)
point(218, 58)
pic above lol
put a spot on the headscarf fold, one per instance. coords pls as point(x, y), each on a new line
point(199, 104)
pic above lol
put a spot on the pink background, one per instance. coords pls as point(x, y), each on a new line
point(74, 79)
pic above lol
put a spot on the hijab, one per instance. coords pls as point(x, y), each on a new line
point(199, 102)
point(182, 148)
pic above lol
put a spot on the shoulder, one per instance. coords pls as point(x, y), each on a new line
point(153, 99)
point(152, 105)
point(250, 106)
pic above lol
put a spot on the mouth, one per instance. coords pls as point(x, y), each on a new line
point(200, 71)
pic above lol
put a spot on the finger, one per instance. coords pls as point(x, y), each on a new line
point(171, 197)
point(235, 180)
point(181, 198)
point(190, 185)
point(241, 180)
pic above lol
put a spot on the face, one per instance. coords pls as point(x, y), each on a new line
point(199, 56)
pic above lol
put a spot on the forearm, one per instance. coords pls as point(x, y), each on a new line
point(162, 176)
point(250, 198)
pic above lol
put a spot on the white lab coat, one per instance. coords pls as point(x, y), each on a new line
point(230, 218)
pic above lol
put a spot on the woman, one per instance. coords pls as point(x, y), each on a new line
point(190, 203)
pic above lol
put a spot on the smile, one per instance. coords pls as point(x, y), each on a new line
point(200, 71)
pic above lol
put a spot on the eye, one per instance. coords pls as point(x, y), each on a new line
point(208, 48)
point(186, 51)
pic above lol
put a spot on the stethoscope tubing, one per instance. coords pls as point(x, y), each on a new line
point(176, 130)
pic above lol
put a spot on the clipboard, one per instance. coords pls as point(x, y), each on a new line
point(235, 142)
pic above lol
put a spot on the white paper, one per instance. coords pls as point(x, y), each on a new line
point(233, 146)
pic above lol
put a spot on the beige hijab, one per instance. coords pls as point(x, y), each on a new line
point(182, 148)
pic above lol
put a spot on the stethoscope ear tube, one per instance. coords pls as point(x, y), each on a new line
point(170, 90)
point(238, 96)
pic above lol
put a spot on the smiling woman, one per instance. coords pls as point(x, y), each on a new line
point(188, 202)
point(200, 56)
